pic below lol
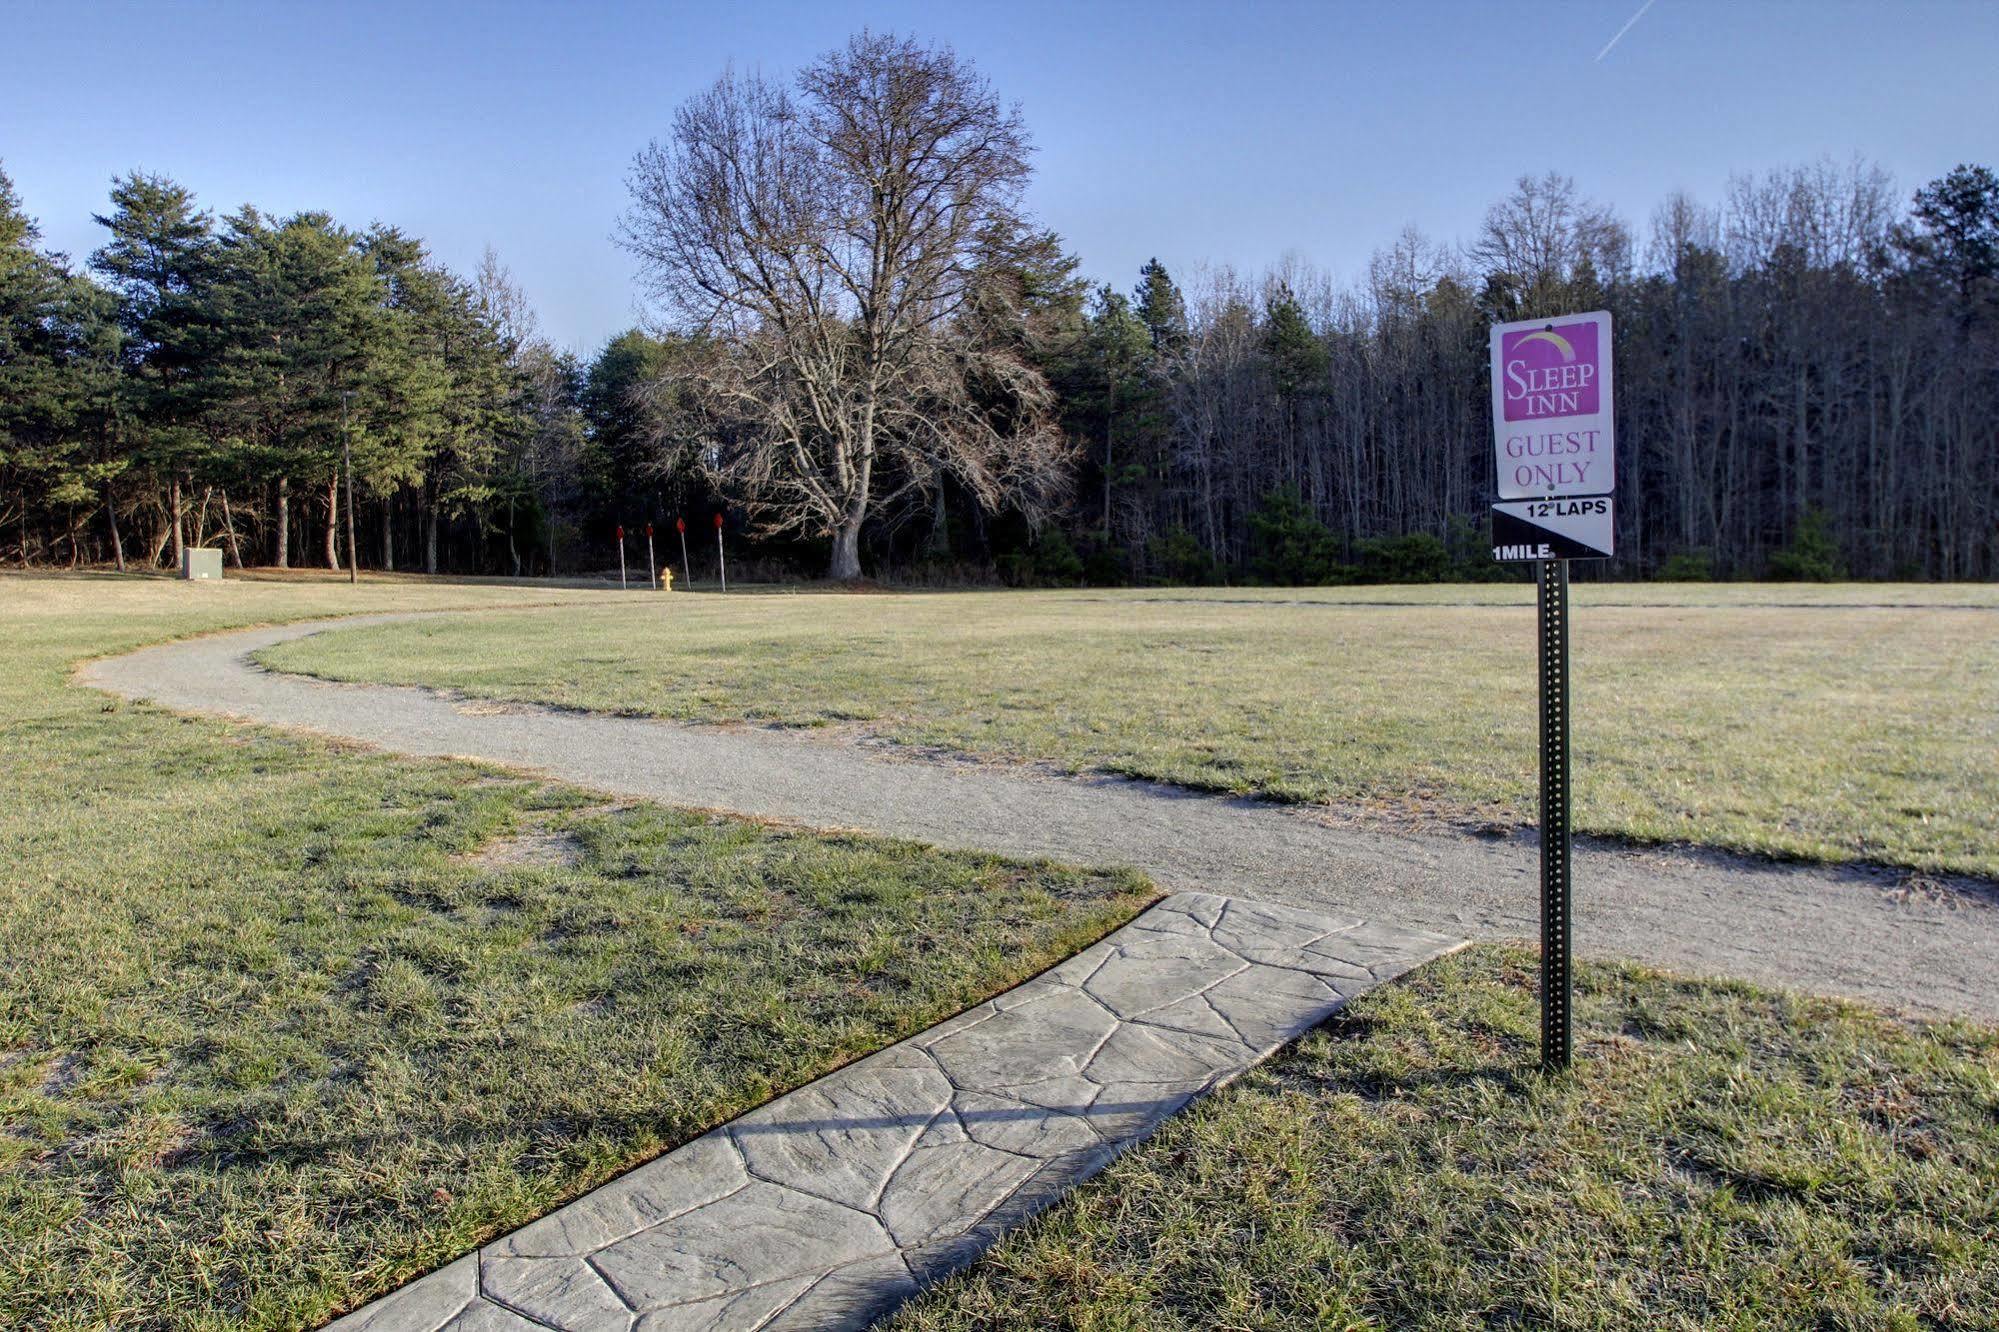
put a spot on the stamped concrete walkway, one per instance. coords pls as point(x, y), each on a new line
point(1849, 931)
point(834, 1203)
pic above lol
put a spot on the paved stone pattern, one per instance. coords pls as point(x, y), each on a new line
point(831, 1205)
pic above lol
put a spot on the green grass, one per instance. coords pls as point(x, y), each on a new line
point(1721, 1157)
point(1841, 722)
point(274, 1037)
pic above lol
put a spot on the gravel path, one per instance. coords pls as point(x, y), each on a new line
point(1841, 931)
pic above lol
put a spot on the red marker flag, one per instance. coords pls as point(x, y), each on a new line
point(680, 523)
point(621, 532)
point(718, 520)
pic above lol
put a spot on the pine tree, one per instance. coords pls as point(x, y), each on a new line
point(1956, 239)
point(58, 360)
point(1298, 356)
point(400, 424)
point(1120, 348)
point(159, 261)
point(306, 328)
point(1161, 308)
point(479, 418)
point(548, 458)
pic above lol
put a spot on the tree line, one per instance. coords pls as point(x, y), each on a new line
point(872, 359)
point(203, 382)
point(1807, 378)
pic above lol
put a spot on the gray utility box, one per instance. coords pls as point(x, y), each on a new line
point(200, 562)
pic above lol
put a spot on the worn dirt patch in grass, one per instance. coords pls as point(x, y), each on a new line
point(526, 850)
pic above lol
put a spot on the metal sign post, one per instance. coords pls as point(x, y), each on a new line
point(622, 584)
point(1557, 1040)
point(1555, 452)
point(652, 561)
point(686, 569)
point(721, 559)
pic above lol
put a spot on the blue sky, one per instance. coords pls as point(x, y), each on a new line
point(1221, 132)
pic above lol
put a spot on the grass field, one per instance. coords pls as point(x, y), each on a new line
point(1722, 1157)
point(1835, 722)
point(282, 1024)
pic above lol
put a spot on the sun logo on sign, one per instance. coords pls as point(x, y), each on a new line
point(1551, 372)
point(1553, 339)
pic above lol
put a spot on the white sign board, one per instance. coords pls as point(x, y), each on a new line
point(1551, 407)
point(1552, 529)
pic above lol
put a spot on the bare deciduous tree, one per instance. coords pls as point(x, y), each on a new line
point(829, 238)
point(1549, 244)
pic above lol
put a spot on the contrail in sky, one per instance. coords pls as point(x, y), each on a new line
point(1626, 28)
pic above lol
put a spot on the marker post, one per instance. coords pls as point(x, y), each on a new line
point(721, 559)
point(1557, 888)
point(622, 584)
point(652, 562)
point(1554, 445)
point(686, 569)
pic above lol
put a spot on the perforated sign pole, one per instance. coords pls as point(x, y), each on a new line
point(1554, 437)
point(1556, 901)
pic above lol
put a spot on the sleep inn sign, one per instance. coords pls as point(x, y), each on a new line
point(1551, 407)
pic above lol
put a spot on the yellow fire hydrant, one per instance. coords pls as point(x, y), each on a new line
point(666, 579)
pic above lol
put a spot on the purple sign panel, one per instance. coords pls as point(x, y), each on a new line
point(1552, 407)
point(1551, 371)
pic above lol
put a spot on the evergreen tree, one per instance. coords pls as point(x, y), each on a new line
point(547, 465)
point(1298, 356)
point(622, 395)
point(1288, 546)
point(1026, 308)
point(402, 424)
point(1161, 308)
point(306, 332)
point(1120, 349)
point(1298, 359)
point(479, 417)
point(1163, 311)
point(614, 400)
point(159, 261)
point(58, 360)
point(1956, 239)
